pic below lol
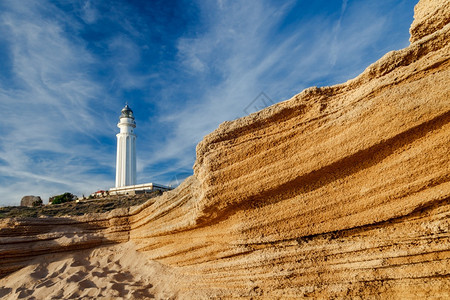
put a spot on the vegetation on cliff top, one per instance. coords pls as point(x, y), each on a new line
point(77, 208)
point(66, 197)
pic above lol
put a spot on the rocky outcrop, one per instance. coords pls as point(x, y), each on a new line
point(429, 17)
point(30, 201)
point(340, 191)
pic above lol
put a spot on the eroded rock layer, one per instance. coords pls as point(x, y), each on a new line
point(24, 239)
point(339, 191)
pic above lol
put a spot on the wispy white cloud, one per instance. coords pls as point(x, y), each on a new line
point(88, 12)
point(336, 29)
point(51, 111)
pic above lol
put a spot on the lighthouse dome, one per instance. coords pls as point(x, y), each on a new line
point(127, 112)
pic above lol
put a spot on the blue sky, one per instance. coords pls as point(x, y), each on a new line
point(67, 67)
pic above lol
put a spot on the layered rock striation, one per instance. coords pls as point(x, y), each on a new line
point(22, 240)
point(340, 191)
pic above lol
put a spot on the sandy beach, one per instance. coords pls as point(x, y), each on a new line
point(110, 272)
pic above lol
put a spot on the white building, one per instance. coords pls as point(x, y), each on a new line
point(138, 189)
point(126, 149)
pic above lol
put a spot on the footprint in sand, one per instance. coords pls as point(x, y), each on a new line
point(142, 294)
point(86, 284)
point(58, 271)
point(82, 263)
point(46, 283)
point(105, 273)
point(40, 272)
point(5, 291)
point(78, 276)
point(123, 277)
point(120, 287)
point(23, 292)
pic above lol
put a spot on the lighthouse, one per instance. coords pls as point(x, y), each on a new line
point(126, 160)
point(126, 149)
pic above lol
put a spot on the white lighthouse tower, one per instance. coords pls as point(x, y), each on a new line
point(126, 159)
point(126, 149)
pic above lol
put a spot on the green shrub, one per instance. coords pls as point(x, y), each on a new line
point(63, 198)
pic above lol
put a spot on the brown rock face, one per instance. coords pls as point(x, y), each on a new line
point(429, 16)
point(341, 191)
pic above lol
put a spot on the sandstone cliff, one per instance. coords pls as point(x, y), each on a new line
point(337, 192)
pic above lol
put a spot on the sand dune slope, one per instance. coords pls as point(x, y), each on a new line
point(108, 272)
